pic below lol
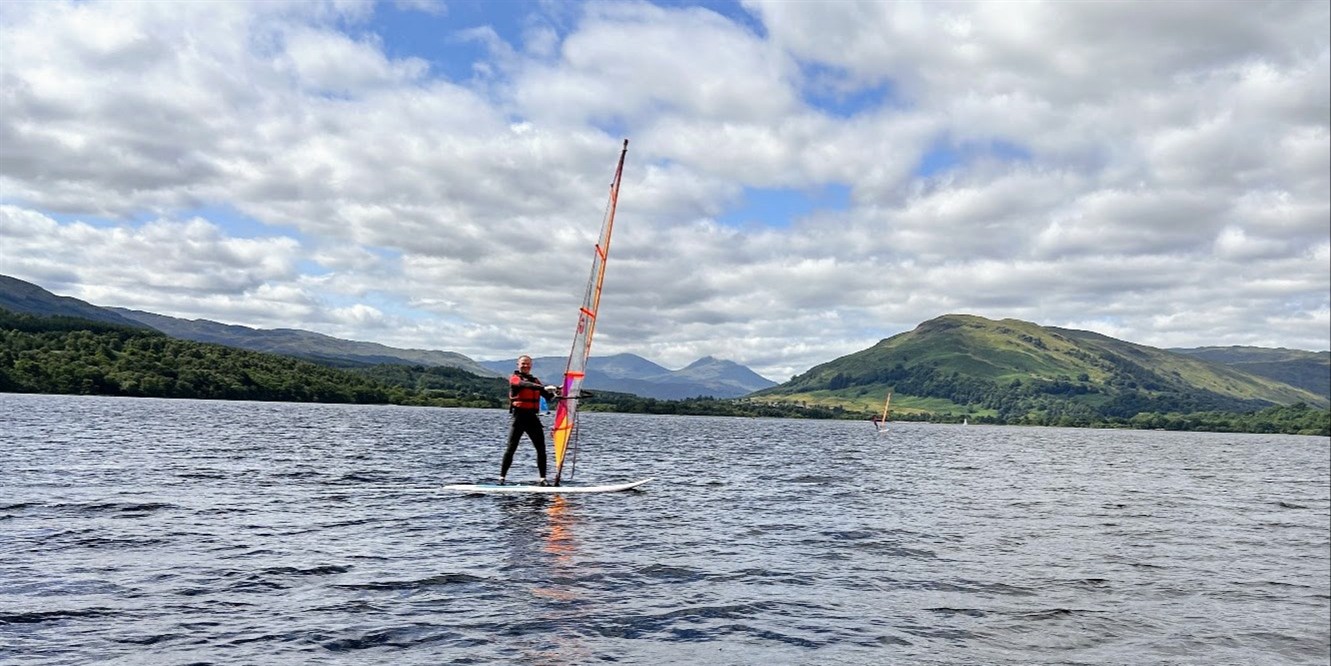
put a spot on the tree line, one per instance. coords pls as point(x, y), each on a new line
point(75, 356)
point(65, 355)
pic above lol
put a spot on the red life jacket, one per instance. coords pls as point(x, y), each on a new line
point(521, 397)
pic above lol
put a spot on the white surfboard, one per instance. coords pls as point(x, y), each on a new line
point(533, 488)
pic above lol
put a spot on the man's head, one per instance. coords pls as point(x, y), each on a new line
point(524, 363)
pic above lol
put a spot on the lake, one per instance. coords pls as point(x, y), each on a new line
point(174, 531)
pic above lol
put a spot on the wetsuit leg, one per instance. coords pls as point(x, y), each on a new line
point(536, 431)
point(515, 428)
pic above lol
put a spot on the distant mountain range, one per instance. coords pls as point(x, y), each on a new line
point(625, 373)
point(300, 344)
point(628, 373)
point(958, 363)
point(1012, 370)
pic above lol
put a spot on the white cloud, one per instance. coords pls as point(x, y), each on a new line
point(637, 62)
point(1167, 181)
point(324, 62)
point(1235, 244)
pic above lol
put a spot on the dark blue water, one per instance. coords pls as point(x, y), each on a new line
point(173, 532)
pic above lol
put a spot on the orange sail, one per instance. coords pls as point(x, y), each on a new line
point(566, 415)
point(881, 422)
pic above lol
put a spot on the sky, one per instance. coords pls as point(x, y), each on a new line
point(803, 179)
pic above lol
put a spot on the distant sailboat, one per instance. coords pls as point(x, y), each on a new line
point(881, 422)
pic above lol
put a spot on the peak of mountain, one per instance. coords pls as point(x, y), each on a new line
point(630, 373)
point(720, 372)
point(27, 298)
point(624, 366)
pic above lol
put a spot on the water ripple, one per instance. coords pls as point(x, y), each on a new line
point(170, 531)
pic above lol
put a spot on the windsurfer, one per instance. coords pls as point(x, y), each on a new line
point(524, 403)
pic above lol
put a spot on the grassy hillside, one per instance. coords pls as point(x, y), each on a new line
point(1307, 370)
point(21, 297)
point(1014, 371)
point(77, 356)
point(71, 355)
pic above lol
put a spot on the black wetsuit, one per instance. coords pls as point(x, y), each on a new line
point(524, 394)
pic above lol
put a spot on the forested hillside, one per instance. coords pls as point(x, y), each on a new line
point(77, 356)
point(1014, 372)
point(67, 355)
point(21, 297)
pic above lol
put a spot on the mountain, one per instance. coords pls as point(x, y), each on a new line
point(625, 373)
point(1015, 370)
point(27, 298)
point(300, 344)
point(1307, 370)
point(629, 373)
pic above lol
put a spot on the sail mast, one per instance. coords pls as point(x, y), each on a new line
point(566, 414)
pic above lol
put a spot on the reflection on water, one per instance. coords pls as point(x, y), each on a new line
point(540, 531)
point(559, 537)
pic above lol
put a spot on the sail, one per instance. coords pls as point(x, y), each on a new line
point(563, 432)
point(881, 423)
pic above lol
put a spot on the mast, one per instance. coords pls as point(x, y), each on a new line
point(563, 431)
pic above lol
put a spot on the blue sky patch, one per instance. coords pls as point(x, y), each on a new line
point(778, 207)
point(830, 90)
point(942, 156)
point(730, 9)
point(385, 252)
point(235, 223)
point(311, 267)
point(230, 221)
point(405, 32)
point(945, 155)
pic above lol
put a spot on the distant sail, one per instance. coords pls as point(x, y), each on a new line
point(566, 414)
point(881, 423)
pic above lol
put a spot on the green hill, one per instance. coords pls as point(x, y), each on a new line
point(1013, 371)
point(71, 355)
point(22, 297)
point(1303, 369)
point(61, 354)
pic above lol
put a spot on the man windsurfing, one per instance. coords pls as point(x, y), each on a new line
point(525, 392)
